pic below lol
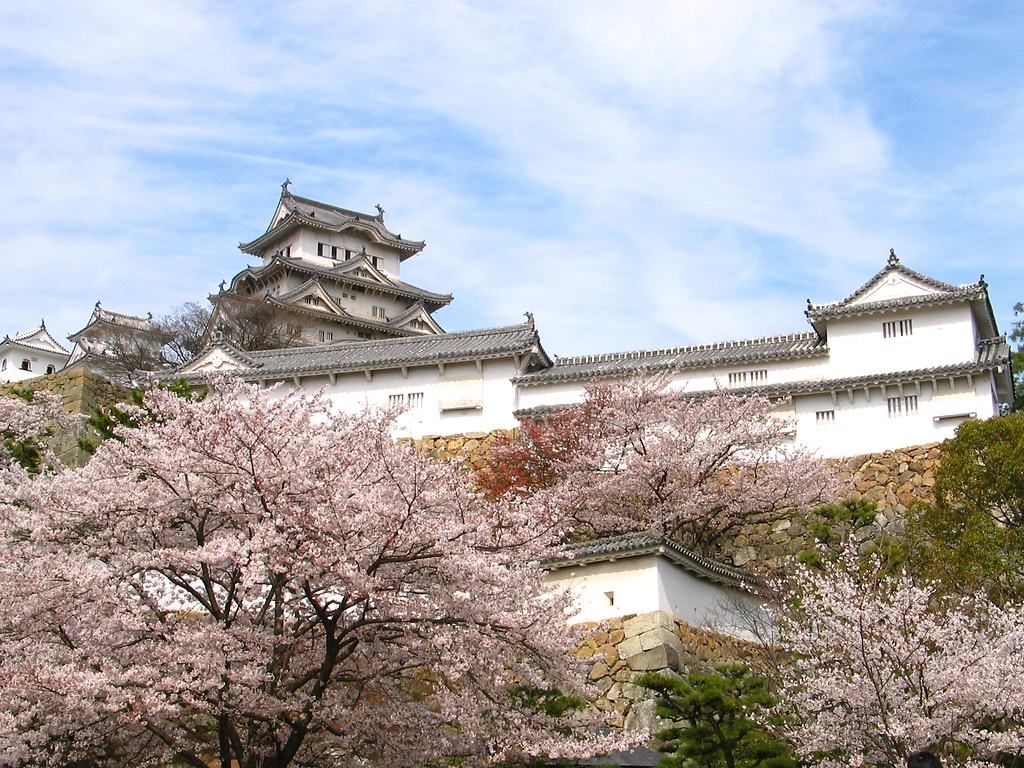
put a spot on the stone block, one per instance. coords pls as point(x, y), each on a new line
point(630, 647)
point(642, 717)
point(654, 659)
point(645, 622)
point(599, 670)
point(659, 636)
point(633, 692)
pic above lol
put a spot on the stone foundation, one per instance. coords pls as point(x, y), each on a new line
point(894, 480)
point(83, 392)
point(621, 648)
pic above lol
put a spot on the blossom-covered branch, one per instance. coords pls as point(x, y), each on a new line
point(254, 578)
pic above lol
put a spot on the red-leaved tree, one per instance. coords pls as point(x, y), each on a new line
point(253, 580)
point(884, 666)
point(634, 456)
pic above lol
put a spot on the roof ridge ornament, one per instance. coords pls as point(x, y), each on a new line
point(893, 258)
point(285, 192)
point(380, 212)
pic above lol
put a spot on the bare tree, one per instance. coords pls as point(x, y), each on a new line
point(185, 327)
point(253, 323)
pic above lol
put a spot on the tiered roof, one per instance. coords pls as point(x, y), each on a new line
point(343, 273)
point(294, 212)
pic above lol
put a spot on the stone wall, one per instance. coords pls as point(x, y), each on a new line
point(619, 649)
point(82, 392)
point(470, 446)
point(894, 480)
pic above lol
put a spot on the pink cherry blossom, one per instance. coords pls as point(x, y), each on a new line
point(885, 666)
point(636, 456)
point(255, 578)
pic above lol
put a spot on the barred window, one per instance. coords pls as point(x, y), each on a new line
point(824, 417)
point(742, 378)
point(892, 329)
point(901, 406)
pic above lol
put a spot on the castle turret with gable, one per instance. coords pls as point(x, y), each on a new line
point(333, 275)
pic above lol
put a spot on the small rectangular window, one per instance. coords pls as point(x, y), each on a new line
point(892, 329)
point(902, 406)
point(415, 399)
point(394, 400)
point(742, 378)
point(378, 312)
point(362, 334)
point(319, 249)
point(824, 417)
point(334, 252)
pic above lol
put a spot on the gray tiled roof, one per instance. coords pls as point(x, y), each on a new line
point(393, 353)
point(637, 544)
point(341, 318)
point(102, 316)
point(789, 347)
point(313, 213)
point(991, 353)
point(960, 293)
point(945, 293)
point(895, 265)
point(397, 287)
point(23, 339)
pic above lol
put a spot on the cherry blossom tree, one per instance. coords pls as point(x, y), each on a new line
point(635, 456)
point(252, 580)
point(884, 666)
point(27, 420)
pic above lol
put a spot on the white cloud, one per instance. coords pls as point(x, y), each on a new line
point(638, 175)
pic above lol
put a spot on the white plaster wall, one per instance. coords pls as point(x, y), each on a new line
point(352, 392)
point(702, 603)
point(305, 246)
point(863, 424)
point(942, 336)
point(39, 362)
point(645, 583)
point(634, 582)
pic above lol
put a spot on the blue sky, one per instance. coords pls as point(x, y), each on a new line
point(636, 175)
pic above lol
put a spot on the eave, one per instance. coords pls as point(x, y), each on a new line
point(436, 300)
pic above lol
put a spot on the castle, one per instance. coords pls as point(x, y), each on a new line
point(902, 360)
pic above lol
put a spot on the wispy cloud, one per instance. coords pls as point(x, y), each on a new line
point(666, 173)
